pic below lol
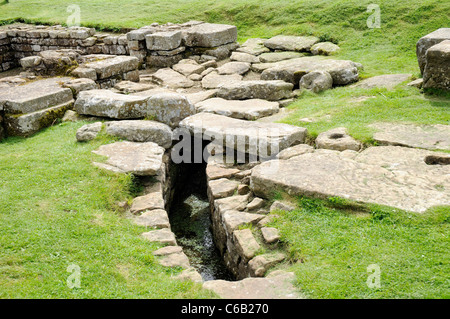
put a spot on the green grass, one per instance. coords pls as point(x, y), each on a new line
point(332, 249)
point(57, 209)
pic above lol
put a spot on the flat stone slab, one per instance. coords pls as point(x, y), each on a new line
point(171, 78)
point(246, 244)
point(244, 57)
point(35, 96)
point(107, 68)
point(279, 56)
point(28, 124)
point(405, 178)
point(291, 43)
point(257, 89)
point(432, 137)
point(240, 109)
point(276, 286)
point(222, 187)
point(141, 131)
point(337, 139)
point(149, 202)
point(209, 35)
point(253, 137)
point(106, 103)
point(325, 48)
point(234, 67)
point(214, 80)
point(343, 72)
point(163, 236)
point(254, 46)
point(142, 159)
point(156, 218)
point(388, 81)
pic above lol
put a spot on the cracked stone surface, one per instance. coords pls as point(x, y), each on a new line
point(386, 175)
point(142, 159)
point(432, 137)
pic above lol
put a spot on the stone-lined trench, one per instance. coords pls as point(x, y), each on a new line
point(190, 220)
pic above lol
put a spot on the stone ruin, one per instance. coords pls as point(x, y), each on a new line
point(148, 83)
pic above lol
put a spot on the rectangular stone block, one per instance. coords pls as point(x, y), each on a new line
point(163, 40)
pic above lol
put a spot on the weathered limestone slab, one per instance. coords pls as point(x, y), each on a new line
point(222, 187)
point(388, 81)
point(427, 42)
point(141, 131)
point(28, 124)
point(170, 108)
point(252, 137)
point(246, 244)
point(175, 260)
point(163, 236)
point(142, 159)
point(171, 78)
point(148, 202)
point(106, 103)
point(79, 85)
point(291, 43)
point(234, 67)
point(244, 57)
point(188, 68)
point(35, 96)
point(258, 89)
point(343, 72)
point(107, 68)
point(190, 274)
point(260, 264)
point(337, 139)
point(386, 175)
point(316, 81)
point(133, 87)
point(437, 68)
point(270, 234)
point(325, 48)
point(255, 204)
point(209, 35)
point(277, 286)
point(232, 219)
point(240, 109)
point(295, 151)
point(254, 46)
point(214, 80)
point(156, 218)
point(88, 132)
point(166, 41)
point(214, 171)
point(432, 137)
point(272, 57)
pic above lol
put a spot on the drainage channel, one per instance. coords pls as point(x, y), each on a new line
point(190, 220)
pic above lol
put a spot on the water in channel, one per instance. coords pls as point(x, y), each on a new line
point(190, 220)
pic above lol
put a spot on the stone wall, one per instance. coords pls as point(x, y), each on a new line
point(155, 45)
point(7, 60)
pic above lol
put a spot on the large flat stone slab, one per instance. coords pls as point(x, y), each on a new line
point(141, 131)
point(107, 68)
point(106, 103)
point(258, 89)
point(209, 35)
point(388, 81)
point(35, 96)
point(277, 286)
point(28, 124)
point(214, 80)
point(170, 78)
point(386, 175)
point(142, 159)
point(254, 46)
point(240, 109)
point(432, 137)
point(253, 137)
point(343, 72)
point(427, 42)
point(291, 43)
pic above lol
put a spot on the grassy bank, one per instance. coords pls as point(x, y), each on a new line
point(57, 209)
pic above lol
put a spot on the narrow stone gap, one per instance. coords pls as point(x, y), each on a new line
point(190, 220)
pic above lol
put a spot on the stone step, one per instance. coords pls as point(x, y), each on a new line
point(28, 124)
point(264, 139)
point(240, 109)
point(35, 96)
